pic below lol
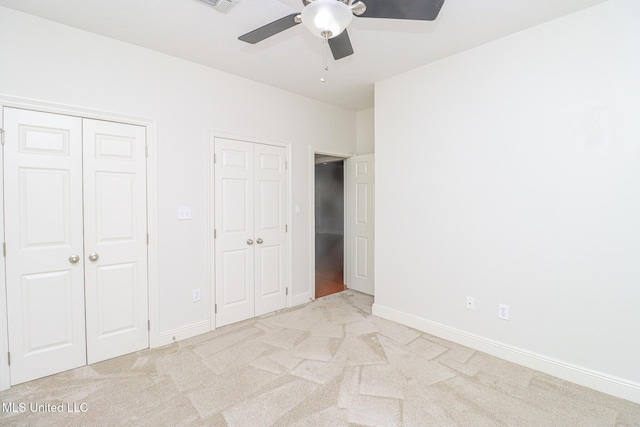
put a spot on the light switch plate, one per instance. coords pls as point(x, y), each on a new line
point(184, 212)
point(297, 208)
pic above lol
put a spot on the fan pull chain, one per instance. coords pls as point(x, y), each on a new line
point(325, 55)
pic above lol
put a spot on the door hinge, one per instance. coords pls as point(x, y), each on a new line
point(214, 157)
point(286, 291)
point(286, 228)
point(215, 308)
point(215, 233)
point(147, 239)
point(146, 151)
point(9, 357)
point(4, 249)
point(286, 165)
point(149, 325)
point(2, 136)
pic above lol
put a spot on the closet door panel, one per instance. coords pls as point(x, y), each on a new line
point(270, 222)
point(115, 239)
point(43, 231)
point(234, 243)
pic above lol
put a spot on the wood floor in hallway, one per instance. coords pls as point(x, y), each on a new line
point(329, 264)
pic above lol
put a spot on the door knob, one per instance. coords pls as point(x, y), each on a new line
point(93, 257)
point(249, 242)
point(259, 241)
point(74, 258)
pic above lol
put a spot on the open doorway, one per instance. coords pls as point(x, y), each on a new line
point(329, 225)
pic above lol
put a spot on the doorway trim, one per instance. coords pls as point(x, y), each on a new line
point(312, 215)
point(213, 134)
point(152, 211)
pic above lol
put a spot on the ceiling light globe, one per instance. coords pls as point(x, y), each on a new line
point(322, 16)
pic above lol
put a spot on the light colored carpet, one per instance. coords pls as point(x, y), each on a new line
point(327, 363)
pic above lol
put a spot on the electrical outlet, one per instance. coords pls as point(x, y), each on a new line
point(503, 311)
point(196, 295)
point(471, 303)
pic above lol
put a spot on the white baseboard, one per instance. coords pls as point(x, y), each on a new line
point(585, 377)
point(188, 331)
point(182, 333)
point(301, 299)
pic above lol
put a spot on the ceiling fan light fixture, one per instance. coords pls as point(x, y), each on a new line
point(326, 18)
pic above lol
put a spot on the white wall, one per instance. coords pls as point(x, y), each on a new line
point(511, 173)
point(47, 61)
point(365, 137)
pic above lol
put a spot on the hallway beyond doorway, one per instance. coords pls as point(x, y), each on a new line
point(329, 264)
point(329, 225)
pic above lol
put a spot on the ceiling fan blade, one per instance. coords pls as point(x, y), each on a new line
point(269, 30)
point(419, 10)
point(341, 46)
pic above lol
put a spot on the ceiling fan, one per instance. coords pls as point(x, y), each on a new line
point(328, 19)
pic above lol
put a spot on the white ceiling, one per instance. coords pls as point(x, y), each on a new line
point(292, 60)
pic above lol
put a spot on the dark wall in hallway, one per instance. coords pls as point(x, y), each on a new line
point(329, 188)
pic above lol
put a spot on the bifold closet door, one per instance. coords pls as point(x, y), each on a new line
point(250, 255)
point(44, 235)
point(75, 229)
point(115, 207)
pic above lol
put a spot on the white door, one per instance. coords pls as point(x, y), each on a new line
point(76, 266)
point(234, 240)
point(249, 186)
point(115, 239)
point(361, 226)
point(43, 231)
point(270, 222)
